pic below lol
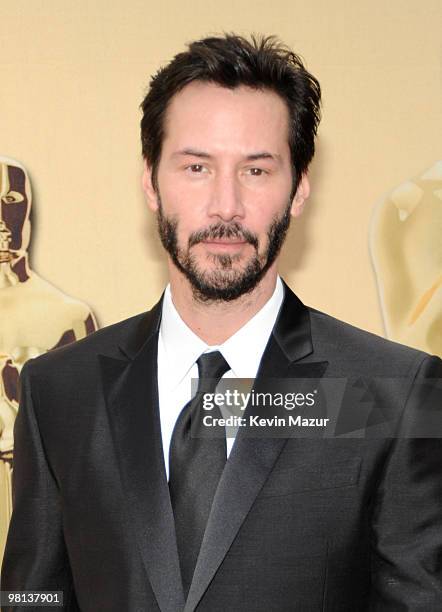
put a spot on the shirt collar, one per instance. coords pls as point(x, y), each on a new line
point(243, 350)
point(181, 345)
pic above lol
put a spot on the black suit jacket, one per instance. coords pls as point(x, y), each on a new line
point(336, 524)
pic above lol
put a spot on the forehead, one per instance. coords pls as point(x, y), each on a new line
point(204, 114)
point(12, 178)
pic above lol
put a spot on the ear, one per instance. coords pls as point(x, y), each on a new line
point(148, 188)
point(301, 195)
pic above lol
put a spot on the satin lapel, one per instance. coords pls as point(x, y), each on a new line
point(252, 459)
point(130, 388)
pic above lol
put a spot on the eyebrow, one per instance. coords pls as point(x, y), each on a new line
point(205, 155)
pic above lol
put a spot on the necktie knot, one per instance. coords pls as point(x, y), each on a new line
point(211, 368)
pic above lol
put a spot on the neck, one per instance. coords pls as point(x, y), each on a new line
point(14, 271)
point(215, 322)
point(21, 267)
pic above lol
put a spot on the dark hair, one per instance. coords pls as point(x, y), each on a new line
point(231, 61)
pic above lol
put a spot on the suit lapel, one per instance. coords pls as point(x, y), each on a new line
point(252, 459)
point(130, 388)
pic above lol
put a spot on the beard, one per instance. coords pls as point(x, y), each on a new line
point(226, 282)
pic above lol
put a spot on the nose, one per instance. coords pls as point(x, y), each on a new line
point(225, 197)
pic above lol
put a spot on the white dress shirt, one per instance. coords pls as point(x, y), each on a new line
point(179, 348)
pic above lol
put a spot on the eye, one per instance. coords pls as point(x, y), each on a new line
point(196, 168)
point(13, 197)
point(256, 171)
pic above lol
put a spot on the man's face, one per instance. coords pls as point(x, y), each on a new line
point(224, 183)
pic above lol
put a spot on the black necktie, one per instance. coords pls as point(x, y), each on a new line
point(195, 466)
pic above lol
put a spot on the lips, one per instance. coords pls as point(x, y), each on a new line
point(226, 242)
point(224, 245)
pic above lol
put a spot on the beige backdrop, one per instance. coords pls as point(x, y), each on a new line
point(73, 75)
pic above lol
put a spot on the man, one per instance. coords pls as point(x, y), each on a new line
point(120, 501)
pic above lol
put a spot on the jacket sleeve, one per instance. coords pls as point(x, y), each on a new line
point(35, 556)
point(407, 510)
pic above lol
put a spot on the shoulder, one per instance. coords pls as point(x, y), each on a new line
point(364, 351)
point(82, 354)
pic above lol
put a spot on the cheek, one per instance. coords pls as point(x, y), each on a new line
point(260, 218)
point(268, 201)
point(14, 216)
point(183, 206)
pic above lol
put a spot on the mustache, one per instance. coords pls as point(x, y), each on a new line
point(223, 230)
